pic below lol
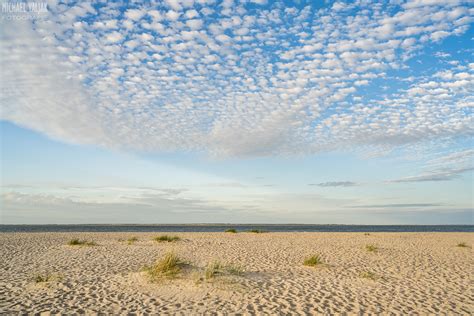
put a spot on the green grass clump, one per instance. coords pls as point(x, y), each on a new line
point(462, 245)
point(166, 268)
point(371, 248)
point(166, 238)
point(46, 277)
point(131, 240)
point(217, 268)
point(78, 242)
point(256, 231)
point(368, 275)
point(231, 230)
point(42, 278)
point(312, 261)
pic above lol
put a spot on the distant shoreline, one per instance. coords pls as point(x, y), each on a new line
point(215, 227)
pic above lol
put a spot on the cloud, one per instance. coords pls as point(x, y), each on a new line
point(134, 14)
point(114, 37)
point(239, 80)
point(147, 207)
point(335, 184)
point(435, 175)
point(401, 205)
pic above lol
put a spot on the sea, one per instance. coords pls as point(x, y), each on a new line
point(238, 227)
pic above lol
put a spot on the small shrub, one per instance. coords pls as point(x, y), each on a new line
point(312, 261)
point(366, 234)
point(217, 268)
point(462, 245)
point(257, 231)
point(368, 275)
point(131, 240)
point(166, 238)
point(231, 230)
point(167, 267)
point(370, 248)
point(77, 242)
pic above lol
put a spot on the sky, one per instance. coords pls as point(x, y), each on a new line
point(209, 111)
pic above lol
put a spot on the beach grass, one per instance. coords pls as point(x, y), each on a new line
point(462, 245)
point(256, 231)
point(42, 278)
point(368, 275)
point(166, 238)
point(217, 268)
point(78, 242)
point(371, 248)
point(231, 230)
point(46, 277)
point(132, 240)
point(313, 261)
point(165, 268)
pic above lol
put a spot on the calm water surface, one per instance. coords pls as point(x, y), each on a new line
point(239, 227)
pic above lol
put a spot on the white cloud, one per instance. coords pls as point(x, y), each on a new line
point(194, 24)
point(174, 4)
point(191, 14)
point(134, 14)
point(114, 37)
point(230, 80)
point(172, 15)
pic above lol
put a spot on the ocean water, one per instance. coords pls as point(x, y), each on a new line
point(239, 227)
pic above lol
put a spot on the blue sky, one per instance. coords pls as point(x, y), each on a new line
point(238, 111)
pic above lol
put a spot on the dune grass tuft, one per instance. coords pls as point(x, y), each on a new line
point(78, 242)
point(46, 277)
point(166, 268)
point(256, 231)
point(366, 234)
point(132, 240)
point(368, 275)
point(231, 230)
point(166, 238)
point(312, 261)
point(42, 278)
point(371, 248)
point(462, 245)
point(217, 268)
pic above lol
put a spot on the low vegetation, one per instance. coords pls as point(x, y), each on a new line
point(42, 278)
point(46, 277)
point(167, 267)
point(369, 275)
point(366, 234)
point(231, 230)
point(371, 248)
point(217, 268)
point(462, 245)
point(313, 261)
point(132, 240)
point(257, 231)
point(78, 242)
point(166, 238)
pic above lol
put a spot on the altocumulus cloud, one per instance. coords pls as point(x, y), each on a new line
point(234, 79)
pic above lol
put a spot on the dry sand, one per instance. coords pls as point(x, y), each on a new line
point(416, 273)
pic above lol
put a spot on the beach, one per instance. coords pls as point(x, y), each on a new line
point(402, 273)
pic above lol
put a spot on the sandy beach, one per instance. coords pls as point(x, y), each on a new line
point(402, 273)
